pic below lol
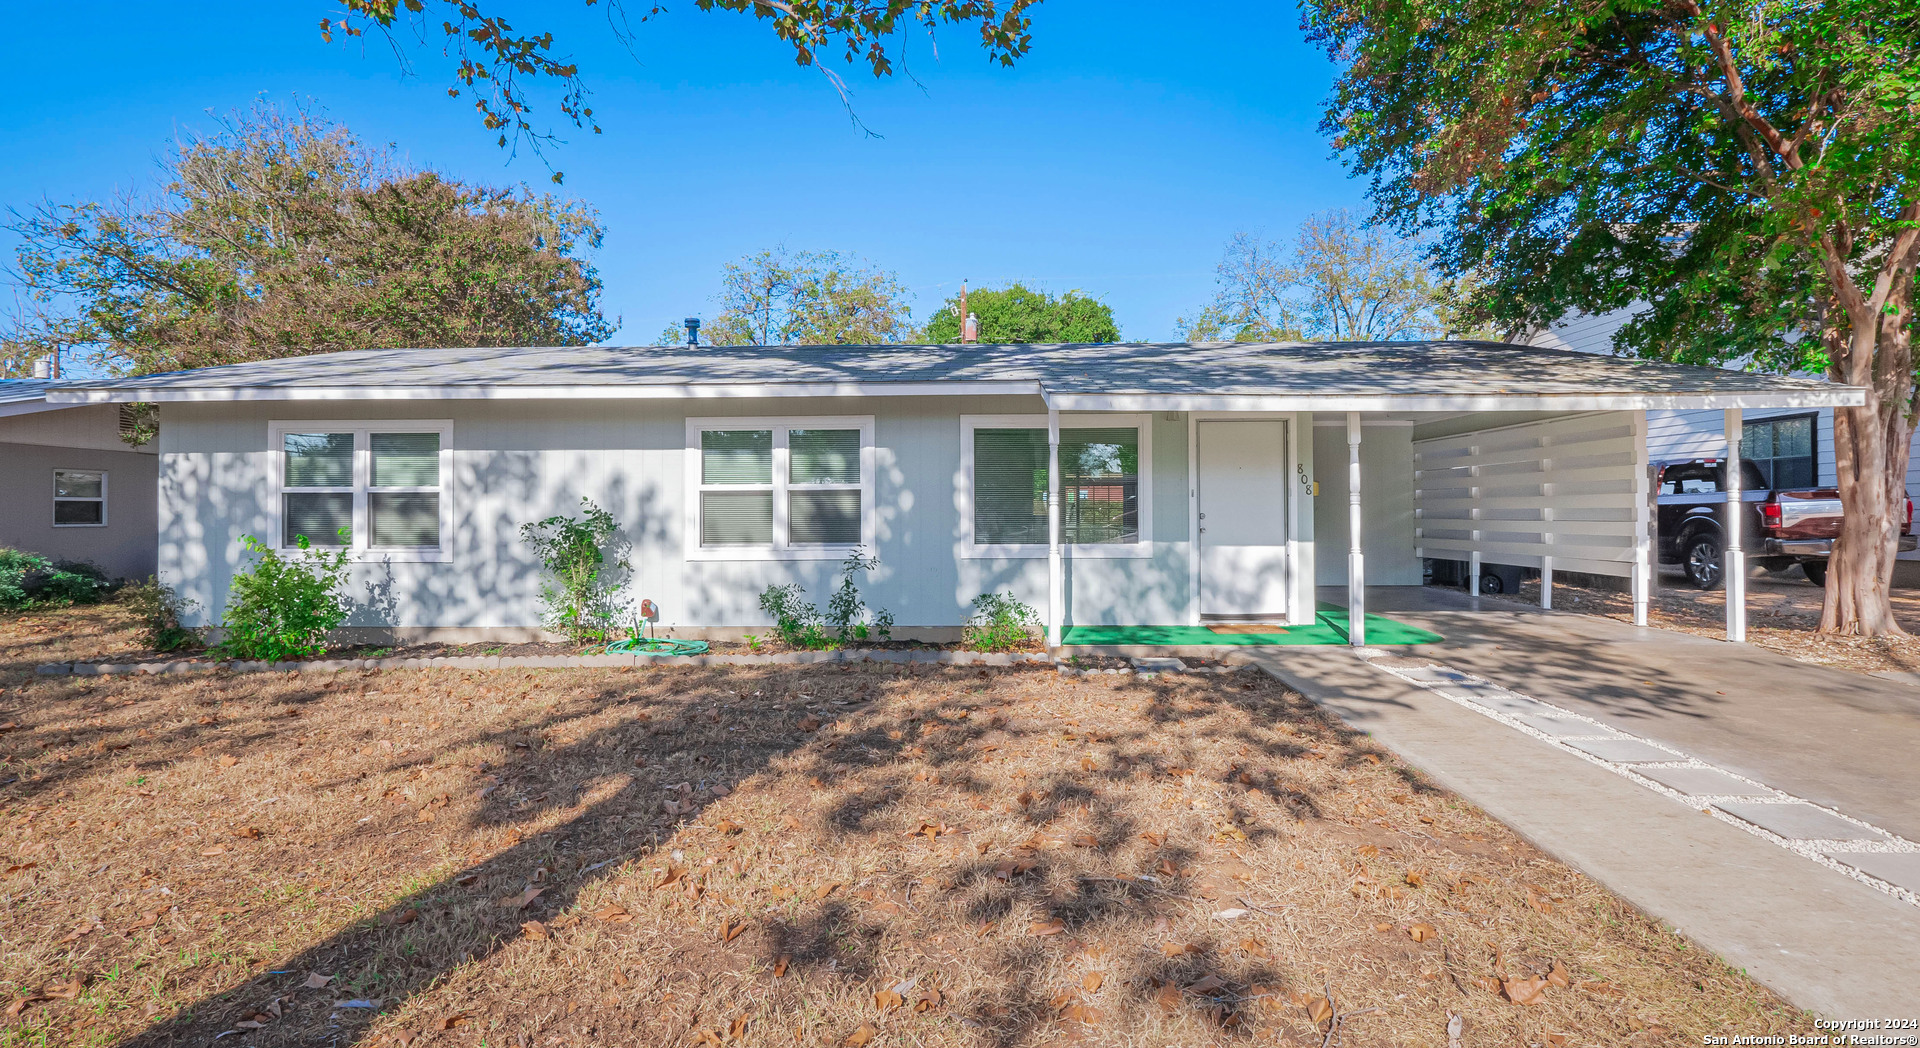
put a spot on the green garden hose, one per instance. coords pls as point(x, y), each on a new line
point(645, 646)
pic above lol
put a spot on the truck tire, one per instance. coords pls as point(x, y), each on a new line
point(1816, 572)
point(1702, 558)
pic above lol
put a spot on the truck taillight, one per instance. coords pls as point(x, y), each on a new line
point(1770, 514)
point(1909, 514)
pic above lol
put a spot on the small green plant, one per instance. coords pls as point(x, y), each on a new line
point(160, 609)
point(284, 606)
point(753, 643)
point(581, 598)
point(29, 580)
point(1000, 622)
point(846, 608)
point(794, 618)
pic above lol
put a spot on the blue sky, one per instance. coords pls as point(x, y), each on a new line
point(1116, 159)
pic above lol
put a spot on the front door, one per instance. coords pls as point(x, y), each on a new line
point(1243, 518)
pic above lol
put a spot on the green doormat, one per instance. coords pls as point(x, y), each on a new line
point(1329, 627)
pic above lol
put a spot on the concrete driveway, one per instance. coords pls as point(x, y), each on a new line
point(1790, 915)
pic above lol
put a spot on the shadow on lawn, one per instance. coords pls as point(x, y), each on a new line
point(869, 768)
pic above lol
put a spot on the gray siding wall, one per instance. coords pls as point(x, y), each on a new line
point(1386, 504)
point(124, 547)
point(518, 461)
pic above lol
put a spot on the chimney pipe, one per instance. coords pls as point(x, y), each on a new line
point(693, 331)
point(43, 368)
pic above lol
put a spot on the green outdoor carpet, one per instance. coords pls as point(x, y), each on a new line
point(1329, 627)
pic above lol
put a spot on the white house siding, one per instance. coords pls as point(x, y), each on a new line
point(1572, 488)
point(1386, 503)
point(516, 461)
point(33, 445)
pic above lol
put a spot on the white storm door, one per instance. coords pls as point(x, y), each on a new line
point(1243, 517)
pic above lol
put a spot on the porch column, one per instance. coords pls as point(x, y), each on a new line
point(1356, 557)
point(1643, 517)
point(1056, 577)
point(1736, 568)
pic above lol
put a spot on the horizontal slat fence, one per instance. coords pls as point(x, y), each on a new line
point(1573, 489)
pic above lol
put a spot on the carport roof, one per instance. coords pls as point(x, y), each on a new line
point(1224, 376)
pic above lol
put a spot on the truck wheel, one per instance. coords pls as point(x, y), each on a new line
point(1491, 583)
point(1703, 562)
point(1816, 572)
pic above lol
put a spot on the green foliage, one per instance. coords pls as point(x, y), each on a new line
point(283, 235)
point(581, 599)
point(1017, 313)
point(1340, 281)
point(1000, 622)
point(794, 617)
point(284, 606)
point(846, 609)
point(29, 580)
point(160, 609)
point(805, 298)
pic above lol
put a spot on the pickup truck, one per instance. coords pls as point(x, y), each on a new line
point(1778, 528)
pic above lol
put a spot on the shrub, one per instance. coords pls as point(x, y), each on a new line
point(1000, 622)
point(160, 608)
point(29, 580)
point(846, 609)
point(581, 600)
point(283, 607)
point(794, 618)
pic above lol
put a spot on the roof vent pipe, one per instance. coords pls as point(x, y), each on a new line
point(693, 331)
point(43, 368)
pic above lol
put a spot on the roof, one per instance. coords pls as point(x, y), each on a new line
point(19, 396)
point(1414, 376)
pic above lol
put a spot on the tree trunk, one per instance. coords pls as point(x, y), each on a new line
point(1870, 456)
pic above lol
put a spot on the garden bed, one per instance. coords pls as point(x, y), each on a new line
point(832, 854)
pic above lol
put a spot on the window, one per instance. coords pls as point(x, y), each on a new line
point(1707, 478)
point(1104, 488)
point(790, 488)
point(1783, 449)
point(79, 498)
point(372, 486)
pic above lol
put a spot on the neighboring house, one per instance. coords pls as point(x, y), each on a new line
point(73, 489)
point(1794, 445)
point(1196, 482)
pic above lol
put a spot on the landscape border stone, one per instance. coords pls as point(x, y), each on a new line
point(501, 662)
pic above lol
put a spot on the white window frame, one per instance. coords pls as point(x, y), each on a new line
point(362, 430)
point(963, 482)
point(780, 549)
point(57, 498)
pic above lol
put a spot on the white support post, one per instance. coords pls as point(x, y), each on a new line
point(1473, 571)
point(1356, 556)
point(1546, 583)
point(1736, 569)
point(1643, 517)
point(1056, 577)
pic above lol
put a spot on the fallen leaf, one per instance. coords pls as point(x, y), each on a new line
point(1415, 878)
point(1383, 926)
point(64, 991)
point(451, 1021)
point(789, 822)
point(737, 1030)
point(1422, 932)
point(1558, 976)
point(929, 999)
point(886, 1000)
point(1255, 947)
point(731, 931)
point(522, 900)
point(402, 1037)
point(20, 867)
point(811, 723)
point(20, 1005)
point(228, 760)
point(620, 978)
point(826, 889)
point(316, 981)
point(613, 913)
point(406, 916)
point(251, 833)
point(727, 826)
point(1526, 991)
point(706, 1037)
point(1319, 1010)
point(1556, 1040)
point(218, 849)
point(1207, 985)
point(1178, 949)
point(860, 1037)
point(1048, 927)
point(1231, 914)
point(1080, 1013)
point(533, 930)
point(668, 876)
point(780, 966)
point(1092, 981)
point(1603, 989)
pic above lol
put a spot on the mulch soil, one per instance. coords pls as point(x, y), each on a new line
point(845, 855)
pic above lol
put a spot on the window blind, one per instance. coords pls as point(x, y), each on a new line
point(405, 518)
point(1009, 486)
point(319, 515)
point(405, 460)
point(736, 456)
point(823, 456)
point(825, 518)
point(736, 518)
point(319, 460)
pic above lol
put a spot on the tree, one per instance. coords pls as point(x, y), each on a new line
point(499, 65)
point(1745, 173)
point(1344, 281)
point(808, 298)
point(283, 235)
point(1017, 313)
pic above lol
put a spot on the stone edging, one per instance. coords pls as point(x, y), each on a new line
point(499, 662)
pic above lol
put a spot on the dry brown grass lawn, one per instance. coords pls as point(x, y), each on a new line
point(777, 857)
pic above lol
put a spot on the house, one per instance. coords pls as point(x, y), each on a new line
point(1793, 446)
point(1106, 485)
point(74, 489)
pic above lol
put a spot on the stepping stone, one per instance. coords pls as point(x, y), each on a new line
point(1159, 664)
point(1560, 725)
point(1496, 698)
point(1798, 821)
point(1897, 868)
point(1433, 675)
point(1702, 782)
point(1624, 751)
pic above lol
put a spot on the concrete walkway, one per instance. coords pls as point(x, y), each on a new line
point(1822, 939)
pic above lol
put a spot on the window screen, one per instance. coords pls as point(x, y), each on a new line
point(1009, 486)
point(79, 497)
